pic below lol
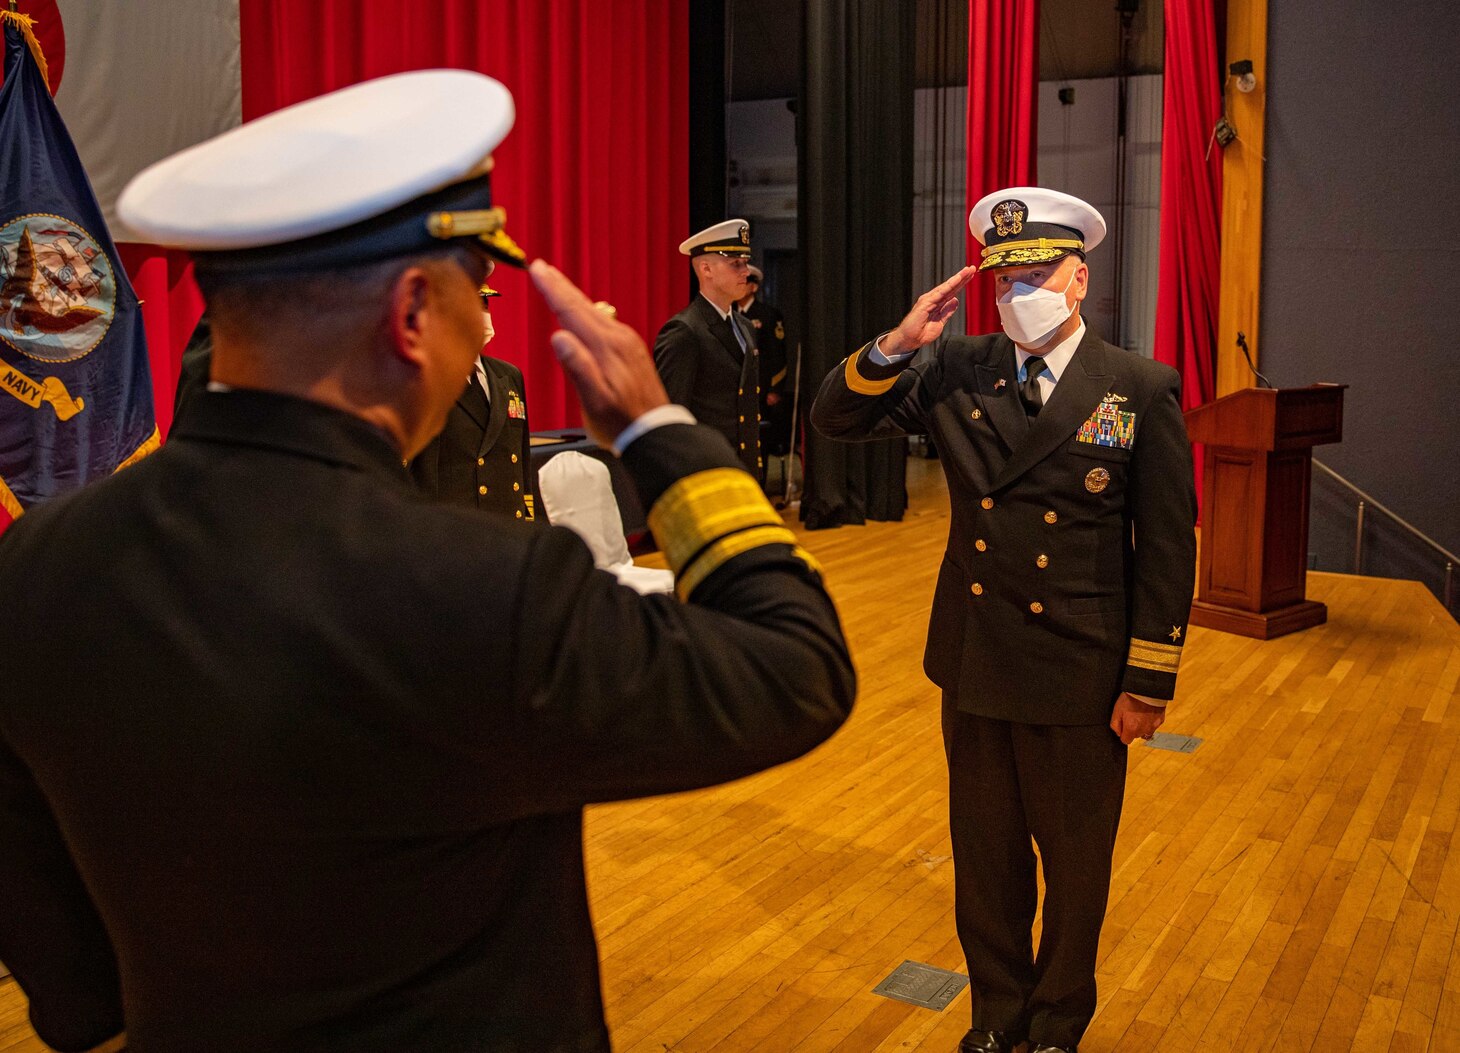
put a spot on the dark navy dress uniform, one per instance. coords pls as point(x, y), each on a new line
point(770, 338)
point(256, 792)
point(251, 764)
point(716, 376)
point(482, 456)
point(1067, 580)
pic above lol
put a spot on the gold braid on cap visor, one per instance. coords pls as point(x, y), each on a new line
point(487, 224)
point(1035, 243)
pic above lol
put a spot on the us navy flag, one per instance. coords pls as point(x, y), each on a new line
point(75, 392)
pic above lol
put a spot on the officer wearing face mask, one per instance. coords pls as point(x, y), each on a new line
point(1061, 604)
point(480, 459)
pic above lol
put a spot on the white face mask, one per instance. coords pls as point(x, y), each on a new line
point(487, 330)
point(1031, 314)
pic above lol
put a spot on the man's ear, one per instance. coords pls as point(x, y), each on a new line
point(410, 297)
point(1082, 280)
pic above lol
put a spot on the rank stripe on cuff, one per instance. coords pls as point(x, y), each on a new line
point(727, 548)
point(860, 384)
point(700, 509)
point(1159, 657)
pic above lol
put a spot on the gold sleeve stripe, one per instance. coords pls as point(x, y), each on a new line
point(1161, 658)
point(1158, 647)
point(860, 384)
point(727, 548)
point(700, 509)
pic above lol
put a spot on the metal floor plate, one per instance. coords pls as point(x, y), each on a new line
point(922, 985)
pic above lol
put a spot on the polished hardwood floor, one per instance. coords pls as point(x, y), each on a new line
point(1292, 885)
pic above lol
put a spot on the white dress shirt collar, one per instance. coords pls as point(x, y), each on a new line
point(1057, 359)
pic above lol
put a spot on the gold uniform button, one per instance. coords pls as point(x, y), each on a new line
point(742, 420)
point(976, 414)
point(740, 392)
point(742, 445)
point(514, 458)
point(976, 589)
point(988, 502)
point(519, 513)
point(1042, 562)
point(981, 545)
point(1051, 518)
point(481, 489)
point(516, 487)
point(481, 461)
point(1036, 607)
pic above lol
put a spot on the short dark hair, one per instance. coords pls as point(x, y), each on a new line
point(233, 294)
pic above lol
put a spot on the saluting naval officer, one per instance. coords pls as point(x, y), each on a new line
point(707, 354)
point(255, 792)
point(481, 457)
point(1061, 604)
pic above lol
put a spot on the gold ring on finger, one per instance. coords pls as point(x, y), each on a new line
point(606, 307)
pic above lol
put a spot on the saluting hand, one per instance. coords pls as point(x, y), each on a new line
point(929, 314)
point(607, 362)
point(1135, 718)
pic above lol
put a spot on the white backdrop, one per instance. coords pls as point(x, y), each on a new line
point(144, 79)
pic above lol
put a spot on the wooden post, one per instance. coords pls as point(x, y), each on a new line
point(1241, 271)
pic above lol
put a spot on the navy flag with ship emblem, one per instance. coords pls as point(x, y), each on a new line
point(75, 389)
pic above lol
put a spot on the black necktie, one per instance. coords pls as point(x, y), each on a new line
point(1029, 387)
point(736, 333)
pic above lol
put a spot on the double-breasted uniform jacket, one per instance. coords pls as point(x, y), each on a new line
point(704, 370)
point(481, 457)
point(770, 339)
point(1071, 551)
point(255, 792)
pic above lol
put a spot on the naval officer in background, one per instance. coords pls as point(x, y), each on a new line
point(481, 458)
point(706, 354)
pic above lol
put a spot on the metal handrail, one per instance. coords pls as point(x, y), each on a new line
point(1366, 499)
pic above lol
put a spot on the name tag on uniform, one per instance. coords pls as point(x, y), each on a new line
point(1109, 425)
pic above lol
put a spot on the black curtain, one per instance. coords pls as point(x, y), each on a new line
point(855, 132)
point(706, 117)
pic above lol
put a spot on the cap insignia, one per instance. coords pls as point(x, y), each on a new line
point(1008, 217)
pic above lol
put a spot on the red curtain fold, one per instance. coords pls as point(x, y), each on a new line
point(594, 176)
point(1003, 120)
point(171, 307)
point(1191, 203)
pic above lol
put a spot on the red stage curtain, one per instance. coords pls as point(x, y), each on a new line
point(1191, 203)
point(171, 307)
point(1003, 120)
point(594, 176)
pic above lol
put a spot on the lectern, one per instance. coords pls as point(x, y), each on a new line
point(1257, 472)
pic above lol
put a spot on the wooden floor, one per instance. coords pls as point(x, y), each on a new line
point(1293, 885)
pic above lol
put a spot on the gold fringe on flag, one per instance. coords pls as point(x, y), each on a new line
point(26, 25)
point(151, 444)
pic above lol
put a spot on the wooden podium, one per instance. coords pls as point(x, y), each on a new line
point(1254, 538)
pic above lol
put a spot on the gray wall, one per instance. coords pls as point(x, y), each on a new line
point(1361, 258)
